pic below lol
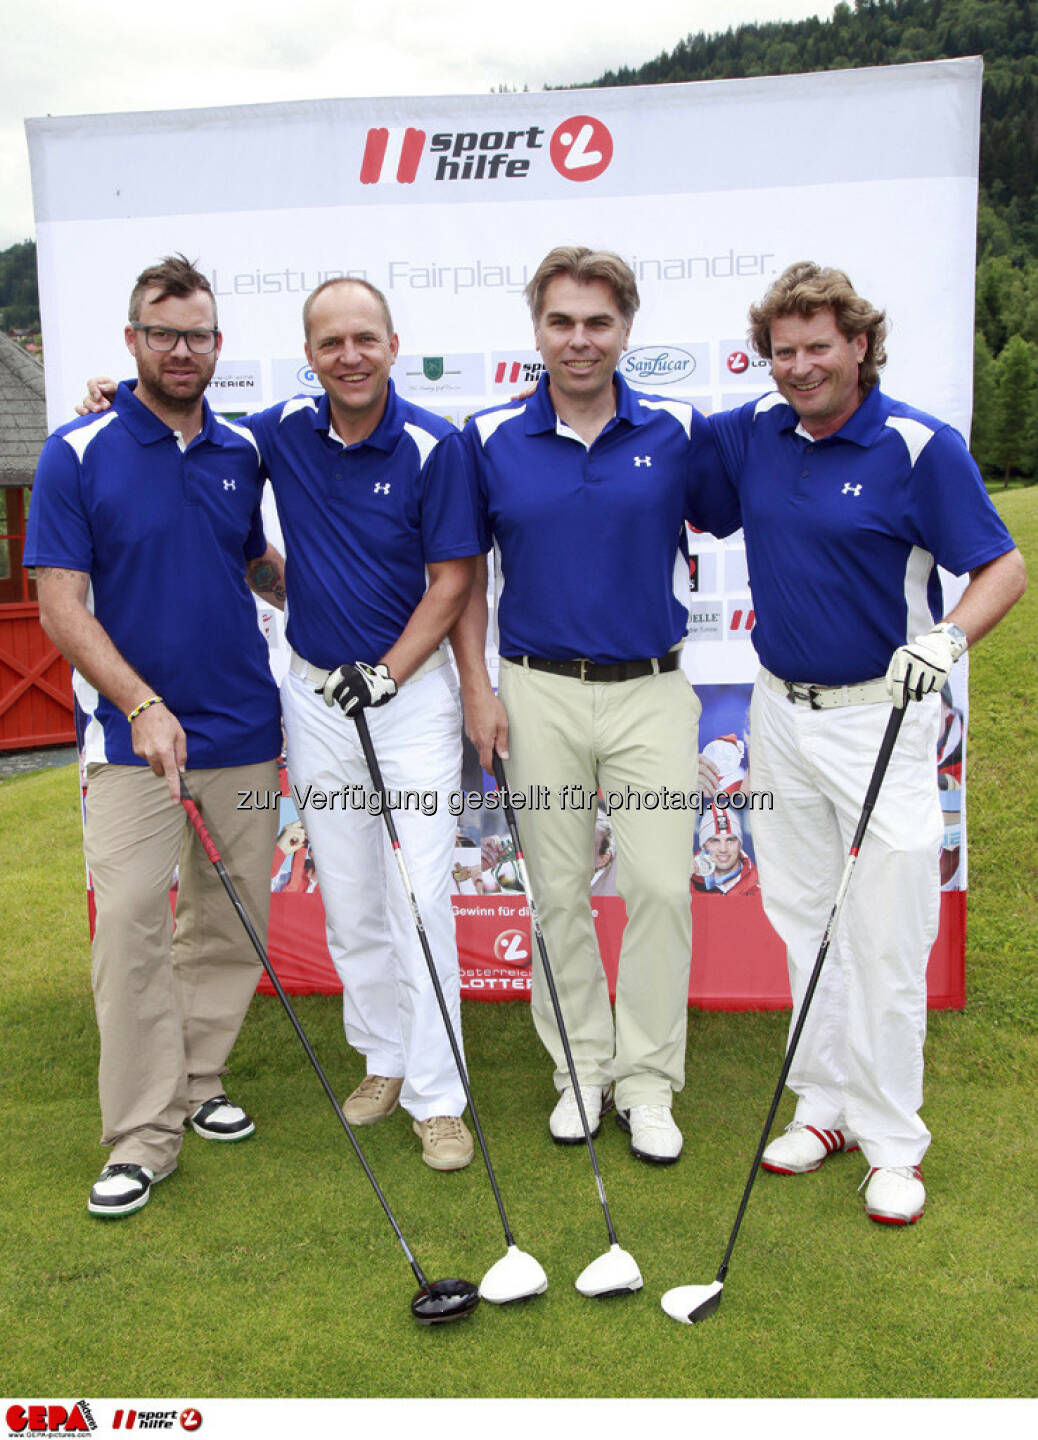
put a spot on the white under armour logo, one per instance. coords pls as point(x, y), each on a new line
point(851, 490)
point(230, 485)
point(643, 460)
point(381, 489)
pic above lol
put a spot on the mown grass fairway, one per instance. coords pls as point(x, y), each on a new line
point(267, 1268)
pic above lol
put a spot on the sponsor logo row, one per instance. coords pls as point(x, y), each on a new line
point(48, 1418)
point(646, 367)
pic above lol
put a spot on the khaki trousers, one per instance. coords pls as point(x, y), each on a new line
point(168, 1007)
point(638, 736)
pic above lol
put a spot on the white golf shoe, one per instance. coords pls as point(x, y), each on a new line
point(654, 1136)
point(802, 1148)
point(894, 1194)
point(564, 1121)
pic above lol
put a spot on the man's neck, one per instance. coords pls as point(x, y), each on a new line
point(588, 418)
point(353, 426)
point(185, 419)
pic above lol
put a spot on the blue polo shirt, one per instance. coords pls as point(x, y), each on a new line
point(842, 534)
point(164, 535)
point(592, 544)
point(361, 522)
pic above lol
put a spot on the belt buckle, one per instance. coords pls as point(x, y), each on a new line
point(583, 670)
point(805, 694)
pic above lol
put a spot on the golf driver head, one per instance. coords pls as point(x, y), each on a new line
point(516, 1276)
point(443, 1300)
point(614, 1273)
point(691, 1303)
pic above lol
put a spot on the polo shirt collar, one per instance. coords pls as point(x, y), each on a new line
point(862, 428)
point(385, 434)
point(146, 427)
point(541, 416)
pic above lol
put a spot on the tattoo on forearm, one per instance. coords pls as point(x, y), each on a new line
point(265, 577)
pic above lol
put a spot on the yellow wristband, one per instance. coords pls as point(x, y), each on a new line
point(144, 705)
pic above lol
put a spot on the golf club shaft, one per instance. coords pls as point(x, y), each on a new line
point(375, 771)
point(520, 860)
point(209, 846)
point(879, 770)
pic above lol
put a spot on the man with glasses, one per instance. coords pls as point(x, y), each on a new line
point(144, 531)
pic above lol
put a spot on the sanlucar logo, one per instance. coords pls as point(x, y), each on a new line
point(657, 365)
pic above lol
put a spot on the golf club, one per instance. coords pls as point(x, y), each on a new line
point(691, 1303)
point(517, 1275)
point(437, 1301)
point(615, 1272)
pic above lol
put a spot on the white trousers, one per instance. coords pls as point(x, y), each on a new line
point(390, 1012)
point(859, 1064)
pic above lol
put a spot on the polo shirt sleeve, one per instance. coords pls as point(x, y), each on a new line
point(475, 461)
point(58, 531)
point(711, 500)
point(261, 425)
point(448, 502)
point(949, 506)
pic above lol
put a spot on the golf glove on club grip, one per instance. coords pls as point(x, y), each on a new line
point(919, 668)
point(356, 687)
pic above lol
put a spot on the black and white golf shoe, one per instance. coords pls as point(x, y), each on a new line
point(120, 1190)
point(218, 1119)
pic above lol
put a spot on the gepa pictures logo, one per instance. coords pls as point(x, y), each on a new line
point(579, 148)
point(50, 1419)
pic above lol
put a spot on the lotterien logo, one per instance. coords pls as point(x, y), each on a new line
point(657, 365)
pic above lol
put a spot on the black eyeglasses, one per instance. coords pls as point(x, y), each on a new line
point(161, 338)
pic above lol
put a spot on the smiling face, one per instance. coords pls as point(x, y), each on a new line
point(724, 852)
point(351, 352)
point(173, 380)
point(816, 369)
point(581, 334)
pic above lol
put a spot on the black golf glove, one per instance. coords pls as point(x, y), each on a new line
point(354, 687)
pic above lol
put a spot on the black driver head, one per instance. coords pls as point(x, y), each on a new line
point(443, 1300)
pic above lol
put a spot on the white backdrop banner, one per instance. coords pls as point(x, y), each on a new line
point(448, 203)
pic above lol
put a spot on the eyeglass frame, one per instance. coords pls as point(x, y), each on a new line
point(180, 335)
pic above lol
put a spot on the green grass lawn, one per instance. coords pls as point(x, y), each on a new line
point(269, 1268)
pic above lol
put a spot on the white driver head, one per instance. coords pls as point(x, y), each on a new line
point(611, 1274)
point(516, 1276)
point(691, 1303)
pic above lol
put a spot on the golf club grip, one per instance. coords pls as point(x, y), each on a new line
point(879, 771)
point(198, 824)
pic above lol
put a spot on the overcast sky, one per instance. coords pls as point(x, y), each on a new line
point(64, 58)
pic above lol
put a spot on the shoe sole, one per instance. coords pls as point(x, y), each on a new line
point(370, 1119)
point(647, 1156)
point(806, 1169)
point(882, 1219)
point(607, 1105)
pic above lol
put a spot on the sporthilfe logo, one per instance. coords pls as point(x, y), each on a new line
point(580, 149)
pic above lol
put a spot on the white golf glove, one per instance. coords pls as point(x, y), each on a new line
point(919, 668)
point(355, 687)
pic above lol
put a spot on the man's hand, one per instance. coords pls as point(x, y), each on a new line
point(709, 777)
point(100, 394)
point(159, 738)
point(486, 725)
point(919, 668)
point(355, 687)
